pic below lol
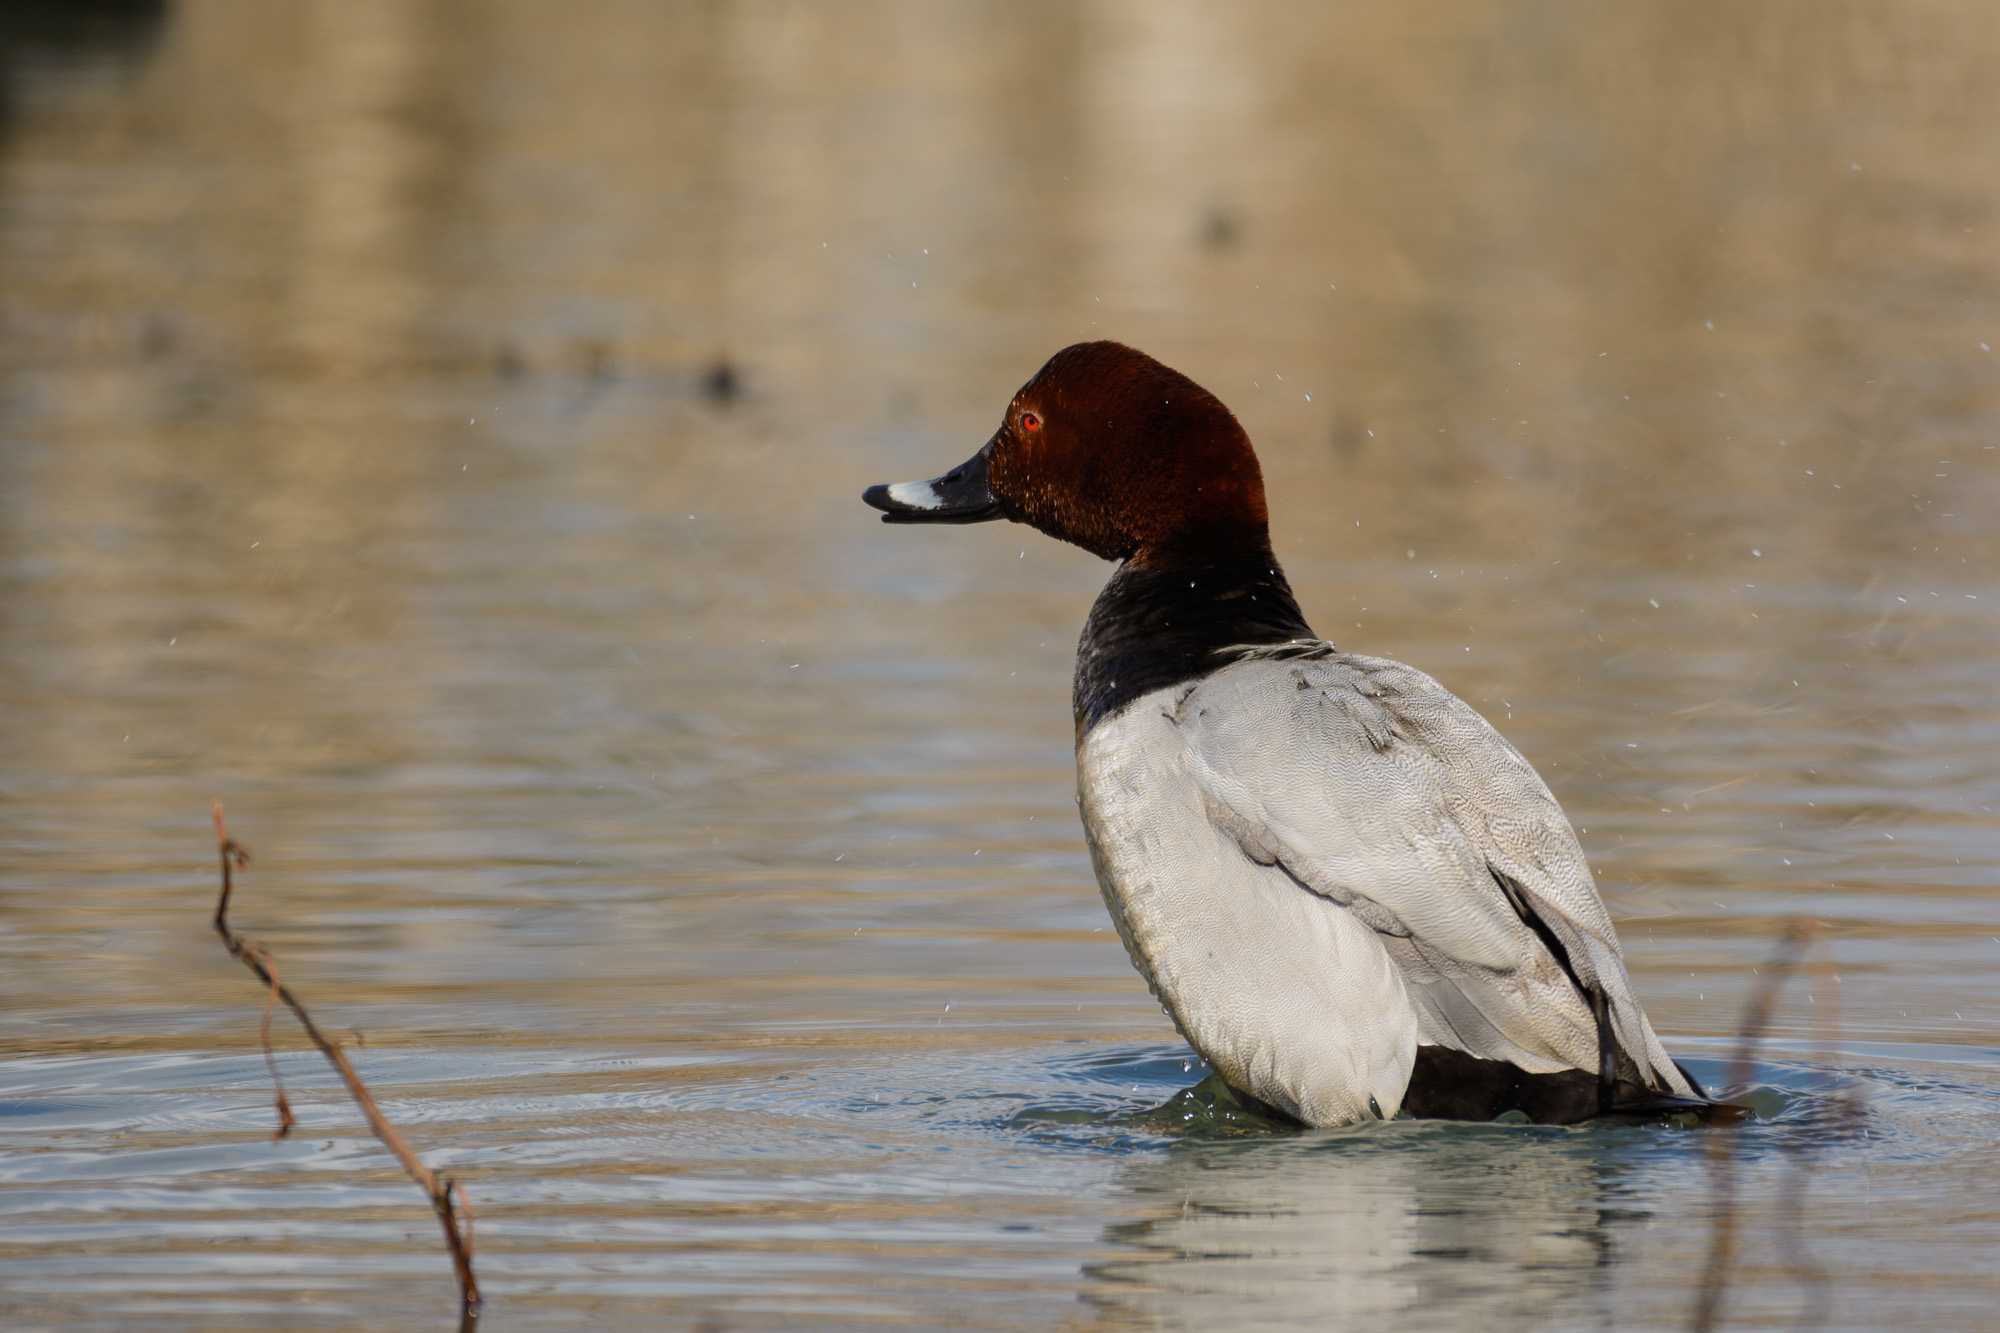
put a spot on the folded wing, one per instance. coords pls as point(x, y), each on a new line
point(1372, 786)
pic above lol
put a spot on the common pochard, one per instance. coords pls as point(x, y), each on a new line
point(1350, 893)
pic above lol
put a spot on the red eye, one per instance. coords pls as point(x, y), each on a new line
point(1030, 422)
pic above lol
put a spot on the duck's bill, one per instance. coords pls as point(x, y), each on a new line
point(962, 495)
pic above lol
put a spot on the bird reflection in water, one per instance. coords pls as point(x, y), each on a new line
point(1504, 1222)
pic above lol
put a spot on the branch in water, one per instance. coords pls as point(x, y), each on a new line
point(1798, 938)
point(447, 1196)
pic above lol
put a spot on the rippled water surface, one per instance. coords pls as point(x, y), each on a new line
point(436, 430)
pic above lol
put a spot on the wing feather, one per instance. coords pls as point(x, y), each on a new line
point(1375, 787)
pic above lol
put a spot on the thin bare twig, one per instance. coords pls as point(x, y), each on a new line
point(465, 1205)
point(1792, 946)
point(444, 1193)
point(1841, 1114)
point(286, 1120)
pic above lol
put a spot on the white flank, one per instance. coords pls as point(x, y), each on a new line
point(1285, 992)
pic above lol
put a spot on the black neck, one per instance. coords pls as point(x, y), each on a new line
point(1155, 627)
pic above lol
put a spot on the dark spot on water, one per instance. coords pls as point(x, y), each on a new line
point(158, 338)
point(1220, 230)
point(74, 34)
point(722, 383)
point(599, 359)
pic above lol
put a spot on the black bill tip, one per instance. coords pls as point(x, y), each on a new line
point(962, 495)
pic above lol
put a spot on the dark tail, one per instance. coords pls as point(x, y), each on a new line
point(1451, 1085)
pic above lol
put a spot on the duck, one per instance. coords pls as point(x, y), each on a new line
point(1353, 897)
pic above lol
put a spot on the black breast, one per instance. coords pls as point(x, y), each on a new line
point(1155, 627)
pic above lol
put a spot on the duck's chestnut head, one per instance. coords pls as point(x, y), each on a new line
point(1110, 450)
